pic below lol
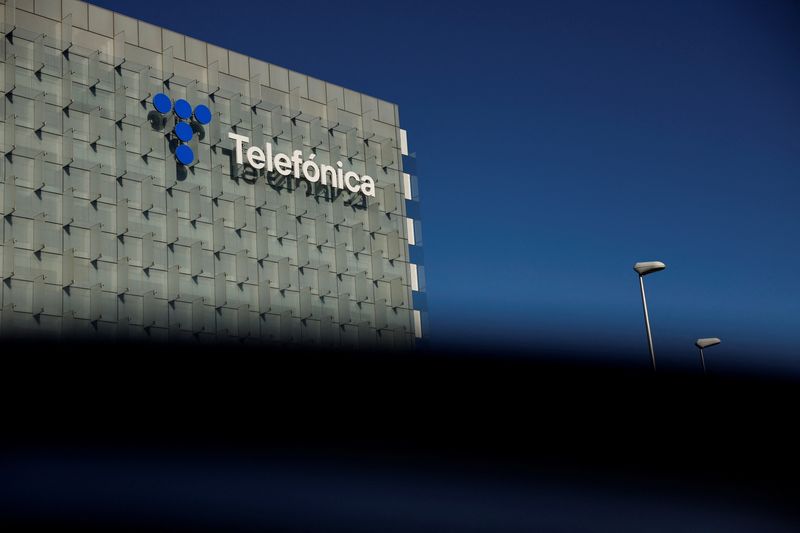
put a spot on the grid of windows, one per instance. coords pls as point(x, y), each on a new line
point(105, 234)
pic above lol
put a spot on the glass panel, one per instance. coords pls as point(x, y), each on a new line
point(393, 245)
point(10, 195)
point(37, 304)
point(8, 258)
point(283, 274)
point(302, 251)
point(359, 237)
point(305, 303)
point(381, 321)
point(95, 303)
point(333, 113)
point(220, 294)
point(324, 280)
point(341, 258)
point(148, 309)
point(344, 308)
point(239, 213)
point(263, 292)
point(241, 266)
point(244, 321)
point(321, 229)
point(122, 216)
point(95, 251)
point(147, 250)
point(194, 204)
point(198, 315)
point(172, 225)
point(195, 258)
point(362, 292)
point(377, 264)
point(122, 275)
point(219, 235)
point(147, 194)
point(173, 273)
point(397, 292)
point(68, 267)
point(375, 217)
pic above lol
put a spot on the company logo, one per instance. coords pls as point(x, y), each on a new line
point(185, 122)
point(286, 165)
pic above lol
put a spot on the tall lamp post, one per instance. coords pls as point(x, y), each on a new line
point(643, 269)
point(705, 343)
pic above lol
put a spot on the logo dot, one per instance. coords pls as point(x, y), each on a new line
point(183, 109)
point(202, 114)
point(183, 131)
point(184, 154)
point(162, 103)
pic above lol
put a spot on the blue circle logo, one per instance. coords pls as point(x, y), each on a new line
point(184, 154)
point(162, 103)
point(202, 114)
point(183, 131)
point(183, 109)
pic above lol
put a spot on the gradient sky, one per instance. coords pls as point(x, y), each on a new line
point(560, 142)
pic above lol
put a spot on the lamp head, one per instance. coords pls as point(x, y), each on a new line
point(648, 267)
point(705, 343)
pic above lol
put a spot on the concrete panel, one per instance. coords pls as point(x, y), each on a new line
point(48, 8)
point(129, 26)
point(239, 66)
point(386, 112)
point(299, 80)
point(25, 5)
point(334, 92)
point(215, 53)
point(195, 51)
point(150, 37)
point(316, 90)
point(369, 103)
point(101, 21)
point(259, 68)
point(176, 41)
point(79, 12)
point(352, 101)
point(279, 78)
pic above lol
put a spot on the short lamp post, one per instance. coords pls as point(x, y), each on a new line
point(643, 269)
point(705, 343)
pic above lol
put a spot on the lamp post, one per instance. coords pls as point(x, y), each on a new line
point(643, 269)
point(705, 343)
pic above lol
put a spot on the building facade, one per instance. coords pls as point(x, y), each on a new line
point(155, 186)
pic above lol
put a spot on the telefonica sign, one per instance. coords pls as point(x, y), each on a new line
point(309, 170)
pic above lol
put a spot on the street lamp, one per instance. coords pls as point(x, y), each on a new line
point(643, 269)
point(705, 343)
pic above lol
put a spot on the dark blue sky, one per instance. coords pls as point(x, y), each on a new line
point(562, 141)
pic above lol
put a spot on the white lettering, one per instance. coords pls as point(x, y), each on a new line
point(255, 156)
point(309, 170)
point(297, 158)
point(328, 170)
point(283, 164)
point(269, 157)
point(368, 186)
point(347, 177)
point(311, 165)
point(239, 140)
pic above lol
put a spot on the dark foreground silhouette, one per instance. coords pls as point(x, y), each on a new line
point(228, 437)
